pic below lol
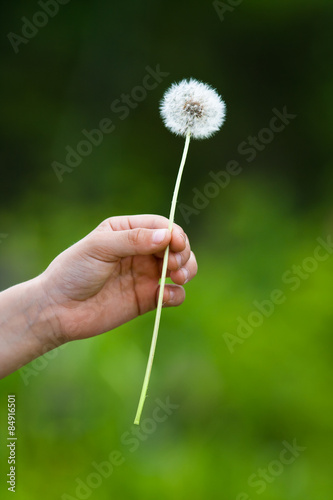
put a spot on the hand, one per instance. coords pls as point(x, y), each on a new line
point(111, 276)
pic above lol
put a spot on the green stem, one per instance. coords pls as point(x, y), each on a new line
point(162, 284)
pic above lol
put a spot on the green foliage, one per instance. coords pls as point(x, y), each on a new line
point(235, 408)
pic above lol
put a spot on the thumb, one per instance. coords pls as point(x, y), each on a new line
point(139, 241)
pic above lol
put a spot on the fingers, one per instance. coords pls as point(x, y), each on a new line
point(179, 244)
point(173, 295)
point(112, 245)
point(186, 272)
point(125, 236)
point(178, 259)
point(124, 222)
point(183, 273)
point(148, 221)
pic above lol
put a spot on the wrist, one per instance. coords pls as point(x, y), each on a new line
point(41, 315)
point(27, 325)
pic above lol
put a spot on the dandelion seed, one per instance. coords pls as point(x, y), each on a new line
point(190, 109)
point(192, 106)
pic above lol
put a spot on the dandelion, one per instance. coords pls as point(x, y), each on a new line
point(190, 109)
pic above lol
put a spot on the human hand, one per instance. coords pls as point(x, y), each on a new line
point(111, 276)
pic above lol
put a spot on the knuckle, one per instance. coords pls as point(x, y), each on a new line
point(106, 224)
point(135, 236)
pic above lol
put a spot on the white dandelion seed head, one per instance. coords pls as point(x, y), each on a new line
point(192, 106)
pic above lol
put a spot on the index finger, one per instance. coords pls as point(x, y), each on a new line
point(147, 221)
point(178, 242)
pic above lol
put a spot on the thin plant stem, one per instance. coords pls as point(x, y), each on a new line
point(162, 284)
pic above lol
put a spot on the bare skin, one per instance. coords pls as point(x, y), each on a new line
point(104, 280)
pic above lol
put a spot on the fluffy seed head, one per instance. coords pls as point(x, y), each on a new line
point(192, 106)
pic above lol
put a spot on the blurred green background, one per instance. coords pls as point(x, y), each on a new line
point(235, 409)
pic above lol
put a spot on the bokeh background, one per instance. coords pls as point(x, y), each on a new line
point(235, 409)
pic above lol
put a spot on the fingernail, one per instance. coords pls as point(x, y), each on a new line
point(179, 260)
point(159, 236)
point(186, 274)
point(171, 295)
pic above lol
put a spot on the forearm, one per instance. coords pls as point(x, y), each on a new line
point(26, 325)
